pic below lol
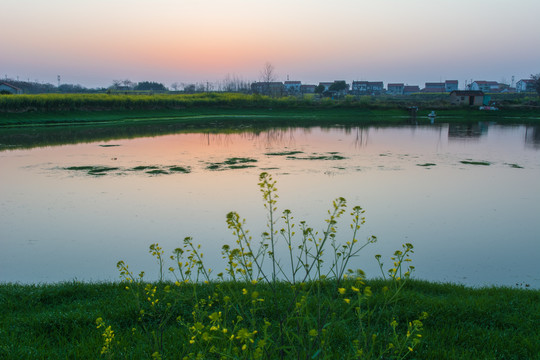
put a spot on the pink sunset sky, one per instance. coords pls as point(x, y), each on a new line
point(92, 43)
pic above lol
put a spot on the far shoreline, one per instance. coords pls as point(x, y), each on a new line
point(52, 119)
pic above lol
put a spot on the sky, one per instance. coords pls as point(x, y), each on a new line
point(93, 42)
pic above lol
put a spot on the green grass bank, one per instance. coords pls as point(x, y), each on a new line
point(49, 109)
point(58, 321)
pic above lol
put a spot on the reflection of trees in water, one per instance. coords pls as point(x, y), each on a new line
point(282, 137)
point(467, 131)
point(217, 139)
point(361, 138)
point(19, 138)
point(361, 134)
point(532, 137)
point(271, 137)
point(475, 131)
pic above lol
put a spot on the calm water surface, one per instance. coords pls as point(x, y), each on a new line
point(469, 223)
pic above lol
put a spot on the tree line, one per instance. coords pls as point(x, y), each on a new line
point(231, 83)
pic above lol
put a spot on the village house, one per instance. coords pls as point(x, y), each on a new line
point(367, 87)
point(326, 85)
point(8, 88)
point(359, 87)
point(525, 85)
point(485, 86)
point(274, 88)
point(307, 89)
point(434, 87)
point(292, 87)
point(375, 87)
point(411, 89)
point(451, 85)
point(258, 87)
point(467, 97)
point(395, 89)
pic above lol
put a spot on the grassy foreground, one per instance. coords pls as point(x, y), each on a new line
point(59, 321)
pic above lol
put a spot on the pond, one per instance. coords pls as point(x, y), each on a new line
point(466, 196)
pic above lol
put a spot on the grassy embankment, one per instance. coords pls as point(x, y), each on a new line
point(37, 120)
point(59, 321)
point(71, 109)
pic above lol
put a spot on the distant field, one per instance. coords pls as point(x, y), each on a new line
point(46, 103)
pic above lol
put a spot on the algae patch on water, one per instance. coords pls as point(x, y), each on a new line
point(426, 164)
point(327, 156)
point(213, 166)
point(471, 162)
point(180, 169)
point(157, 172)
point(244, 166)
point(78, 168)
point(232, 163)
point(148, 169)
point(236, 161)
point(165, 170)
point(93, 170)
point(515, 166)
point(144, 167)
point(284, 153)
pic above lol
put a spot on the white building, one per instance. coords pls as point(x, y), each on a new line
point(292, 87)
point(485, 86)
point(395, 89)
point(5, 87)
point(525, 85)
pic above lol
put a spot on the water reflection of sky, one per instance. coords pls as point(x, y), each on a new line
point(472, 224)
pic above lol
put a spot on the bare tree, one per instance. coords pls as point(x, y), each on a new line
point(229, 83)
point(234, 83)
point(188, 88)
point(123, 85)
point(268, 75)
point(116, 84)
point(200, 87)
point(128, 84)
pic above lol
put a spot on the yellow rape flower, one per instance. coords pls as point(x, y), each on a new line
point(367, 291)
